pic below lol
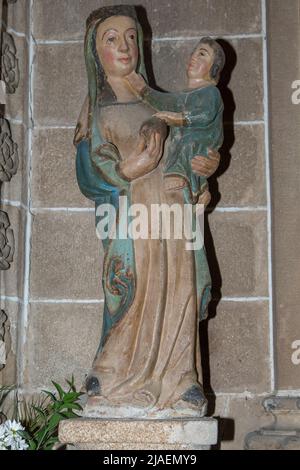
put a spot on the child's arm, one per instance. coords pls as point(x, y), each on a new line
point(200, 111)
point(160, 101)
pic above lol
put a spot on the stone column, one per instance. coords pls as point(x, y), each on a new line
point(284, 40)
point(13, 184)
point(283, 20)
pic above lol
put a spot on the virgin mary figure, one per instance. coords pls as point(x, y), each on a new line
point(156, 291)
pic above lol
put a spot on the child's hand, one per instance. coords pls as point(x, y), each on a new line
point(172, 119)
point(204, 198)
point(206, 166)
point(136, 82)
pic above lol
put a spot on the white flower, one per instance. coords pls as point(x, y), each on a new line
point(13, 426)
point(2, 437)
point(11, 437)
point(19, 444)
point(23, 445)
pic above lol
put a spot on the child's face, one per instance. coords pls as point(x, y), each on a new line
point(201, 62)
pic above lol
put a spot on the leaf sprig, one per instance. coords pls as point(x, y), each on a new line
point(41, 415)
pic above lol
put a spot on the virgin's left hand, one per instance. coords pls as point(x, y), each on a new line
point(172, 119)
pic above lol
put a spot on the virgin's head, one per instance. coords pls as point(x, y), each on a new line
point(113, 48)
point(116, 45)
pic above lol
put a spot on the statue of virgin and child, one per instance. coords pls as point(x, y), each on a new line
point(151, 148)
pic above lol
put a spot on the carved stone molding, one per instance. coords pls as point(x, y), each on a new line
point(284, 433)
point(3, 319)
point(10, 72)
point(9, 159)
point(7, 242)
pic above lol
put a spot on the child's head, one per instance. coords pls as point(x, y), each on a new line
point(207, 60)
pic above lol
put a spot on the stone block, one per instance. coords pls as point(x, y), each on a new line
point(238, 255)
point(242, 180)
point(167, 19)
point(62, 341)
point(139, 434)
point(196, 18)
point(11, 280)
point(238, 342)
point(64, 20)
point(53, 170)
point(66, 256)
point(59, 84)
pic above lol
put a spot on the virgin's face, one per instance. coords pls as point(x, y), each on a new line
point(116, 44)
point(201, 62)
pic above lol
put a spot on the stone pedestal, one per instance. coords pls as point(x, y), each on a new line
point(284, 433)
point(130, 434)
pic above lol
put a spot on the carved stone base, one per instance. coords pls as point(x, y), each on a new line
point(122, 434)
point(284, 433)
point(268, 439)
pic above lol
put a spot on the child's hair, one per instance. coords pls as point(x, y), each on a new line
point(219, 57)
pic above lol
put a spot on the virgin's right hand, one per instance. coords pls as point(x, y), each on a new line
point(145, 158)
point(153, 149)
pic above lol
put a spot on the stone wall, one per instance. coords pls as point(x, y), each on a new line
point(54, 285)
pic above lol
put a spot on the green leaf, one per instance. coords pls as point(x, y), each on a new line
point(59, 389)
point(71, 384)
point(32, 444)
point(55, 419)
point(42, 437)
point(70, 396)
point(50, 395)
point(40, 415)
point(40, 412)
point(5, 412)
point(30, 441)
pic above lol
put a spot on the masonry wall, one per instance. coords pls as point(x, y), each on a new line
point(55, 286)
